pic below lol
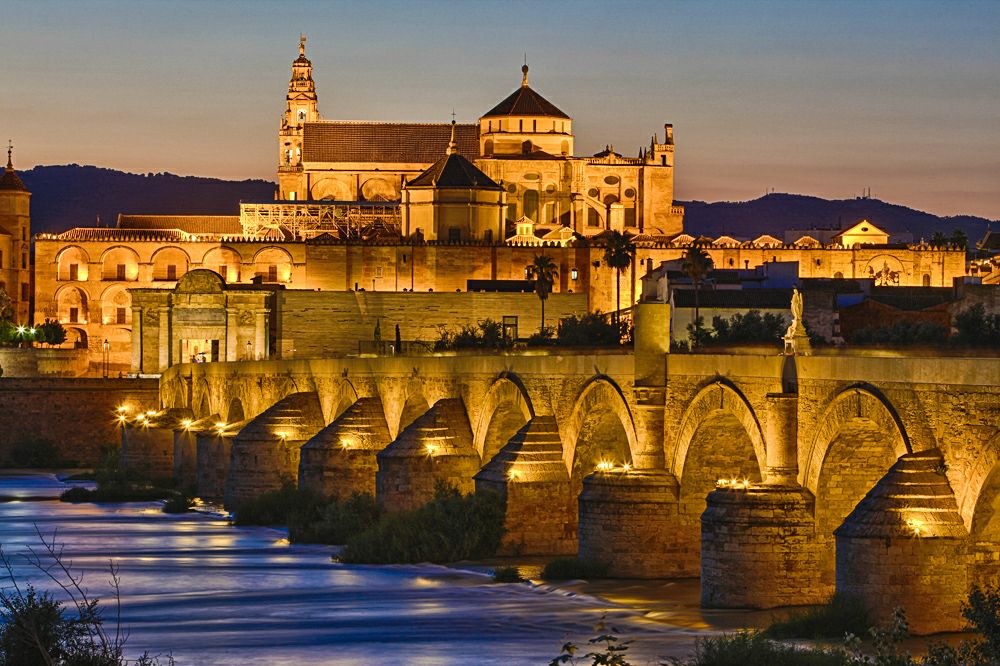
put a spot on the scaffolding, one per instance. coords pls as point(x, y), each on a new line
point(353, 220)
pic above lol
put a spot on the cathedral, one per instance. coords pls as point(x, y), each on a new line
point(365, 208)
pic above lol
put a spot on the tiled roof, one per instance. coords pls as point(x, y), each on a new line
point(358, 141)
point(525, 102)
point(454, 171)
point(111, 234)
point(192, 224)
point(9, 180)
point(768, 299)
point(912, 298)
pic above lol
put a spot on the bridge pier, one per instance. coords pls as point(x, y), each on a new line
point(629, 521)
point(529, 473)
point(436, 447)
point(148, 443)
point(341, 459)
point(905, 545)
point(214, 447)
point(265, 454)
point(186, 451)
point(759, 549)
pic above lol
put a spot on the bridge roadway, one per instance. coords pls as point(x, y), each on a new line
point(777, 479)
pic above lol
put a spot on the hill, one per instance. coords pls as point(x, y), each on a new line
point(774, 213)
point(69, 196)
point(73, 195)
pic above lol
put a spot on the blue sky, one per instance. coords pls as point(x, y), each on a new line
point(821, 98)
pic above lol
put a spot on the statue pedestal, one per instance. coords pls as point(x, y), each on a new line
point(797, 343)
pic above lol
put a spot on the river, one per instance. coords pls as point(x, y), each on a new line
point(212, 594)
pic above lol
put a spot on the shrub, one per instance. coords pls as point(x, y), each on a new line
point(542, 338)
point(337, 521)
point(285, 506)
point(450, 527)
point(507, 575)
point(606, 649)
point(843, 615)
point(749, 648)
point(571, 568)
point(590, 330)
point(487, 334)
point(749, 327)
point(51, 332)
point(116, 484)
point(901, 333)
point(976, 328)
point(179, 503)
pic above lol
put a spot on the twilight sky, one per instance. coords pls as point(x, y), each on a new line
point(821, 98)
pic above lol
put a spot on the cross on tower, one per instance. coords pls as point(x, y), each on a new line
point(453, 116)
point(10, 150)
point(302, 44)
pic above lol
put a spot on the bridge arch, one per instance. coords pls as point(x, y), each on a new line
point(858, 437)
point(719, 437)
point(506, 408)
point(601, 429)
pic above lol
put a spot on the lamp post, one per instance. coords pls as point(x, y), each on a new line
point(107, 357)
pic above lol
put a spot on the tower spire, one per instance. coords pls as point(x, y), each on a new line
point(452, 144)
point(302, 44)
point(524, 72)
point(10, 152)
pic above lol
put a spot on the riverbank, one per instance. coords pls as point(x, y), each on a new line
point(218, 595)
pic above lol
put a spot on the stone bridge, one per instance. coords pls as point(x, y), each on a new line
point(777, 479)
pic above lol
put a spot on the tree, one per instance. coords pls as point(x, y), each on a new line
point(959, 239)
point(618, 254)
point(697, 265)
point(6, 306)
point(51, 332)
point(939, 239)
point(543, 271)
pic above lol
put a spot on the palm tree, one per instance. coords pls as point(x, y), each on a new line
point(618, 253)
point(696, 266)
point(543, 271)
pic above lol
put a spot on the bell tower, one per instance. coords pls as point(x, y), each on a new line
point(300, 108)
point(15, 241)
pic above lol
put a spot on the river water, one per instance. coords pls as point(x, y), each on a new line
point(213, 594)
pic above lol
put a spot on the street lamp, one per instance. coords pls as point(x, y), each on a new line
point(107, 356)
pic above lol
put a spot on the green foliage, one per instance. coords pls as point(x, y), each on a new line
point(571, 568)
point(749, 327)
point(606, 649)
point(544, 273)
point(619, 250)
point(902, 333)
point(543, 338)
point(179, 503)
point(841, 616)
point(589, 330)
point(6, 307)
point(117, 484)
point(336, 522)
point(487, 334)
point(449, 528)
point(749, 648)
point(977, 328)
point(39, 453)
point(284, 506)
point(507, 575)
point(50, 332)
point(698, 335)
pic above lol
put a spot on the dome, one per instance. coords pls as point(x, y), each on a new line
point(525, 102)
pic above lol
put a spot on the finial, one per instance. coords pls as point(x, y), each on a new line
point(10, 151)
point(524, 72)
point(452, 145)
point(302, 44)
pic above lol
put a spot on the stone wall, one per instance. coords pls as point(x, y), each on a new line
point(78, 416)
point(44, 362)
point(317, 324)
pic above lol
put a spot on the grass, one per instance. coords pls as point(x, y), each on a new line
point(449, 528)
point(571, 568)
point(843, 615)
point(748, 648)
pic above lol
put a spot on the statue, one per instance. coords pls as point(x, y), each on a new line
point(796, 338)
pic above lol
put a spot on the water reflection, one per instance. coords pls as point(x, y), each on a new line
point(217, 595)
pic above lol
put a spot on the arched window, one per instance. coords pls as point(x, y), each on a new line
point(531, 204)
point(488, 148)
point(926, 280)
point(565, 148)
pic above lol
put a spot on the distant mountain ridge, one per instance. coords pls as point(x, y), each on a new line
point(63, 197)
point(75, 196)
point(774, 213)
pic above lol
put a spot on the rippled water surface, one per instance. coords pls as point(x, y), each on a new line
point(213, 594)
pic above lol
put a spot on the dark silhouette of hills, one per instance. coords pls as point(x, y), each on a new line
point(63, 197)
point(74, 196)
point(774, 213)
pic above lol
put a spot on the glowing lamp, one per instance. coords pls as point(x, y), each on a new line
point(282, 435)
point(186, 423)
point(122, 409)
point(220, 426)
point(626, 468)
point(431, 448)
point(514, 475)
point(605, 466)
point(916, 525)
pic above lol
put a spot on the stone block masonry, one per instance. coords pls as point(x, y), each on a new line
point(78, 416)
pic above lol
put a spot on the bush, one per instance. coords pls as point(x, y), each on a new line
point(487, 334)
point(901, 333)
point(542, 338)
point(449, 528)
point(590, 330)
point(337, 521)
point(571, 568)
point(843, 615)
point(748, 648)
point(749, 327)
point(116, 484)
point(976, 328)
point(179, 503)
point(507, 575)
point(285, 506)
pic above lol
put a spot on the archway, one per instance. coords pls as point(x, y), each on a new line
point(273, 264)
point(235, 413)
point(121, 264)
point(719, 438)
point(858, 439)
point(169, 264)
point(225, 261)
point(116, 306)
point(72, 264)
point(984, 533)
point(600, 431)
point(416, 405)
point(72, 305)
point(505, 410)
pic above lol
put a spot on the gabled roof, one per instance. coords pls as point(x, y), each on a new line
point(359, 141)
point(192, 224)
point(862, 227)
point(454, 171)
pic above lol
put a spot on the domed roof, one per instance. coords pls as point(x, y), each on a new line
point(525, 102)
point(453, 170)
point(10, 181)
